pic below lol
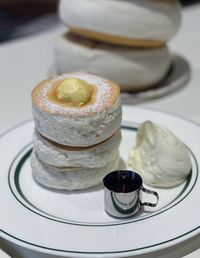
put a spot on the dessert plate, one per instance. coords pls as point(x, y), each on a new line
point(74, 224)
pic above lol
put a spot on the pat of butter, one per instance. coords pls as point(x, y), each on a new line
point(74, 91)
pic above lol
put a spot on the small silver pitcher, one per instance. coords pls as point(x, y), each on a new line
point(122, 193)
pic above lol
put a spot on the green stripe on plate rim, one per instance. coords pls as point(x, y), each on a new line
point(28, 205)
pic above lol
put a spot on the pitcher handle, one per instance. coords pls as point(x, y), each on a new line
point(150, 192)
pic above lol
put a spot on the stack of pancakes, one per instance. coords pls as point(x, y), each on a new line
point(124, 41)
point(75, 146)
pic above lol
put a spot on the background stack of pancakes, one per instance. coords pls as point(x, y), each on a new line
point(124, 41)
point(75, 146)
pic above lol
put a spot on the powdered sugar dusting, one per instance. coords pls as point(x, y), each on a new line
point(104, 96)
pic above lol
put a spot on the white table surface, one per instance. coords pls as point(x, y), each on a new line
point(25, 62)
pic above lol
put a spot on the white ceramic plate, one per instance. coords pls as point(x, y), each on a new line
point(74, 224)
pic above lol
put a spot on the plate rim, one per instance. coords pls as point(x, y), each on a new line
point(24, 155)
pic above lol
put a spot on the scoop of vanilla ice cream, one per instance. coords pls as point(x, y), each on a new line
point(159, 156)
